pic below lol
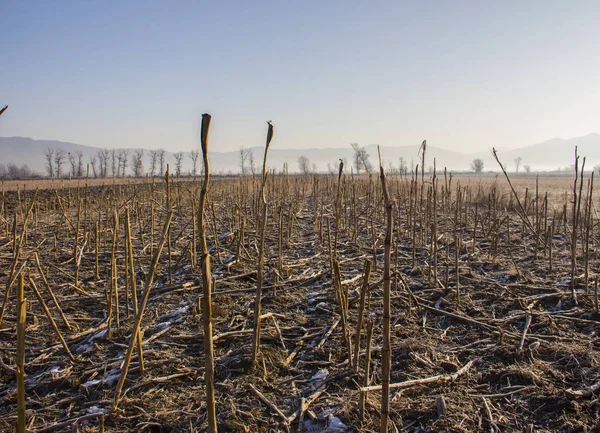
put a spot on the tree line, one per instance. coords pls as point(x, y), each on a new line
point(107, 163)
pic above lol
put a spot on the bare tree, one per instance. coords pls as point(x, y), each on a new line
point(59, 160)
point(597, 169)
point(403, 167)
point(114, 163)
point(178, 160)
point(391, 169)
point(477, 165)
point(49, 155)
point(361, 159)
point(252, 164)
point(73, 163)
point(137, 162)
point(13, 171)
point(527, 168)
point(123, 158)
point(103, 155)
point(161, 161)
point(304, 165)
point(194, 155)
point(79, 155)
point(153, 161)
point(93, 162)
point(518, 161)
point(244, 155)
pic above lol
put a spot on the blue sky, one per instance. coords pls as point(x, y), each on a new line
point(465, 75)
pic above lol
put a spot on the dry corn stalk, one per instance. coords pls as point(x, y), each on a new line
point(209, 374)
point(386, 351)
point(261, 251)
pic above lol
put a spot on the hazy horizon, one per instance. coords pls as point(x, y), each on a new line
point(465, 75)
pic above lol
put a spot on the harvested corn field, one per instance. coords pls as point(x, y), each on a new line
point(335, 303)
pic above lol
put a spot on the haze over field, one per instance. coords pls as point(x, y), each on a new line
point(549, 155)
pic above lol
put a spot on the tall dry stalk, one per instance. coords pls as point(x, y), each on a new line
point(133, 284)
point(576, 213)
point(386, 351)
point(209, 358)
point(261, 251)
point(588, 227)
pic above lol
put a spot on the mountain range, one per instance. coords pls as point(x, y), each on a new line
point(548, 155)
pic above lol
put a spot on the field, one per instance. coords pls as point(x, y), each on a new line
point(489, 331)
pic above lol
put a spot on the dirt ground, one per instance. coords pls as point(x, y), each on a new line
point(485, 373)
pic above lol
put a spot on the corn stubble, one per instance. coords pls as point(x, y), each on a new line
point(383, 296)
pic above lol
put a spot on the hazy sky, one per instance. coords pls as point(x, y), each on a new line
point(465, 75)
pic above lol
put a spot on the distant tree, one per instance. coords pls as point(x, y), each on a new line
point(402, 168)
point(59, 160)
point(93, 162)
point(114, 163)
point(314, 168)
point(361, 159)
point(137, 162)
point(123, 160)
point(103, 155)
point(477, 165)
point(518, 161)
point(13, 171)
point(194, 155)
point(79, 155)
point(73, 163)
point(153, 161)
point(243, 160)
point(527, 168)
point(391, 169)
point(597, 169)
point(49, 156)
point(304, 165)
point(252, 164)
point(178, 160)
point(161, 161)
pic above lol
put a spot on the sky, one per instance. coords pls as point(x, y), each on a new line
point(465, 75)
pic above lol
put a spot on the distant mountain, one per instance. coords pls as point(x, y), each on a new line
point(547, 155)
point(554, 153)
